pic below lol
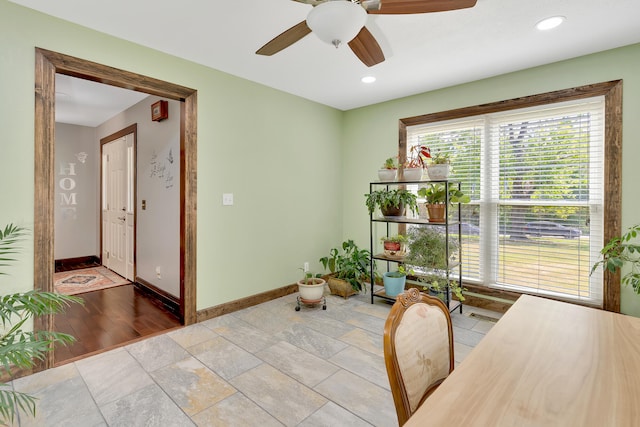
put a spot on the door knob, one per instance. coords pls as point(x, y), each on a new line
point(121, 218)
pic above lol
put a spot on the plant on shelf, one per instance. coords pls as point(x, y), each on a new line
point(392, 202)
point(436, 197)
point(437, 285)
point(416, 162)
point(394, 246)
point(20, 349)
point(417, 156)
point(440, 158)
point(428, 256)
point(394, 281)
point(440, 166)
point(621, 251)
point(388, 170)
point(351, 267)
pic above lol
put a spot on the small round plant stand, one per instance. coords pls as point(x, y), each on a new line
point(311, 302)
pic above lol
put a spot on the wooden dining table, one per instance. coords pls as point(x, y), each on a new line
point(545, 363)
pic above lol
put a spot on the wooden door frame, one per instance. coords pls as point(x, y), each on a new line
point(47, 64)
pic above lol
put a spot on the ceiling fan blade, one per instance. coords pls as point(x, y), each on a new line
point(366, 48)
point(393, 7)
point(311, 2)
point(285, 39)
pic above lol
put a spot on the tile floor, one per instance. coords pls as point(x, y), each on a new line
point(266, 365)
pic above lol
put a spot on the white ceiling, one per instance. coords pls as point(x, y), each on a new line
point(423, 51)
point(86, 103)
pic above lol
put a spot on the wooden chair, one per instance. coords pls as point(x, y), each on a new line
point(418, 349)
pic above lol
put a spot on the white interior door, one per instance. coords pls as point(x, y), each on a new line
point(118, 206)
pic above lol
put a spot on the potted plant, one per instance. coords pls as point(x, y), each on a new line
point(311, 287)
point(621, 251)
point(388, 170)
point(392, 202)
point(440, 166)
point(20, 349)
point(437, 285)
point(394, 246)
point(415, 164)
point(394, 281)
point(436, 199)
point(350, 269)
point(427, 254)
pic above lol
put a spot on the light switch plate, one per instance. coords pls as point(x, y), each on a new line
point(227, 199)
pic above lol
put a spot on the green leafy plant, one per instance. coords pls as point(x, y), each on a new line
point(385, 199)
point(390, 163)
point(440, 158)
point(428, 255)
point(352, 265)
point(437, 194)
point(398, 238)
point(21, 349)
point(400, 272)
point(619, 251)
point(308, 277)
point(438, 285)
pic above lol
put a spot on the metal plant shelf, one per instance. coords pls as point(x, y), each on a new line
point(452, 220)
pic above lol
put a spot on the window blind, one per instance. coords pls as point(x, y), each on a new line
point(535, 178)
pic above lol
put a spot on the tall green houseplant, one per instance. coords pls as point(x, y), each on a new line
point(620, 251)
point(20, 349)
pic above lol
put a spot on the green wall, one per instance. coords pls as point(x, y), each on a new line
point(371, 133)
point(298, 170)
point(279, 154)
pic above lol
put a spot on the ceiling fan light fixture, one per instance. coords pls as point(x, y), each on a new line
point(337, 22)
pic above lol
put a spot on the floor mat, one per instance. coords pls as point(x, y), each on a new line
point(86, 280)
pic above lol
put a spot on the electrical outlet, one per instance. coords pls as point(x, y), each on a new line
point(306, 266)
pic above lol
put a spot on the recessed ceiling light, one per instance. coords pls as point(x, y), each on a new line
point(368, 79)
point(549, 23)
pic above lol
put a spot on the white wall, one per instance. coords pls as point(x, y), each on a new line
point(77, 192)
point(158, 183)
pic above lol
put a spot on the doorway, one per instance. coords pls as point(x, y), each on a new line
point(49, 63)
point(117, 202)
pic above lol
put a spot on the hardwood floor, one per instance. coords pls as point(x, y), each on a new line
point(110, 318)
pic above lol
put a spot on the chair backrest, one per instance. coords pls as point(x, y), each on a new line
point(418, 349)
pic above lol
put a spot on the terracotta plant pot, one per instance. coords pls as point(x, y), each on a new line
point(436, 212)
point(393, 249)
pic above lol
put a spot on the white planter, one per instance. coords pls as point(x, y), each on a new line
point(387, 174)
point(311, 292)
point(438, 172)
point(412, 174)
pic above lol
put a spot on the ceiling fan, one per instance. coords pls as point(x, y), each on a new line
point(343, 21)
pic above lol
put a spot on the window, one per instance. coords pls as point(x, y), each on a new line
point(535, 172)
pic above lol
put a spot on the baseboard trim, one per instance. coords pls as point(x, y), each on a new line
point(239, 304)
point(71, 262)
point(170, 302)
